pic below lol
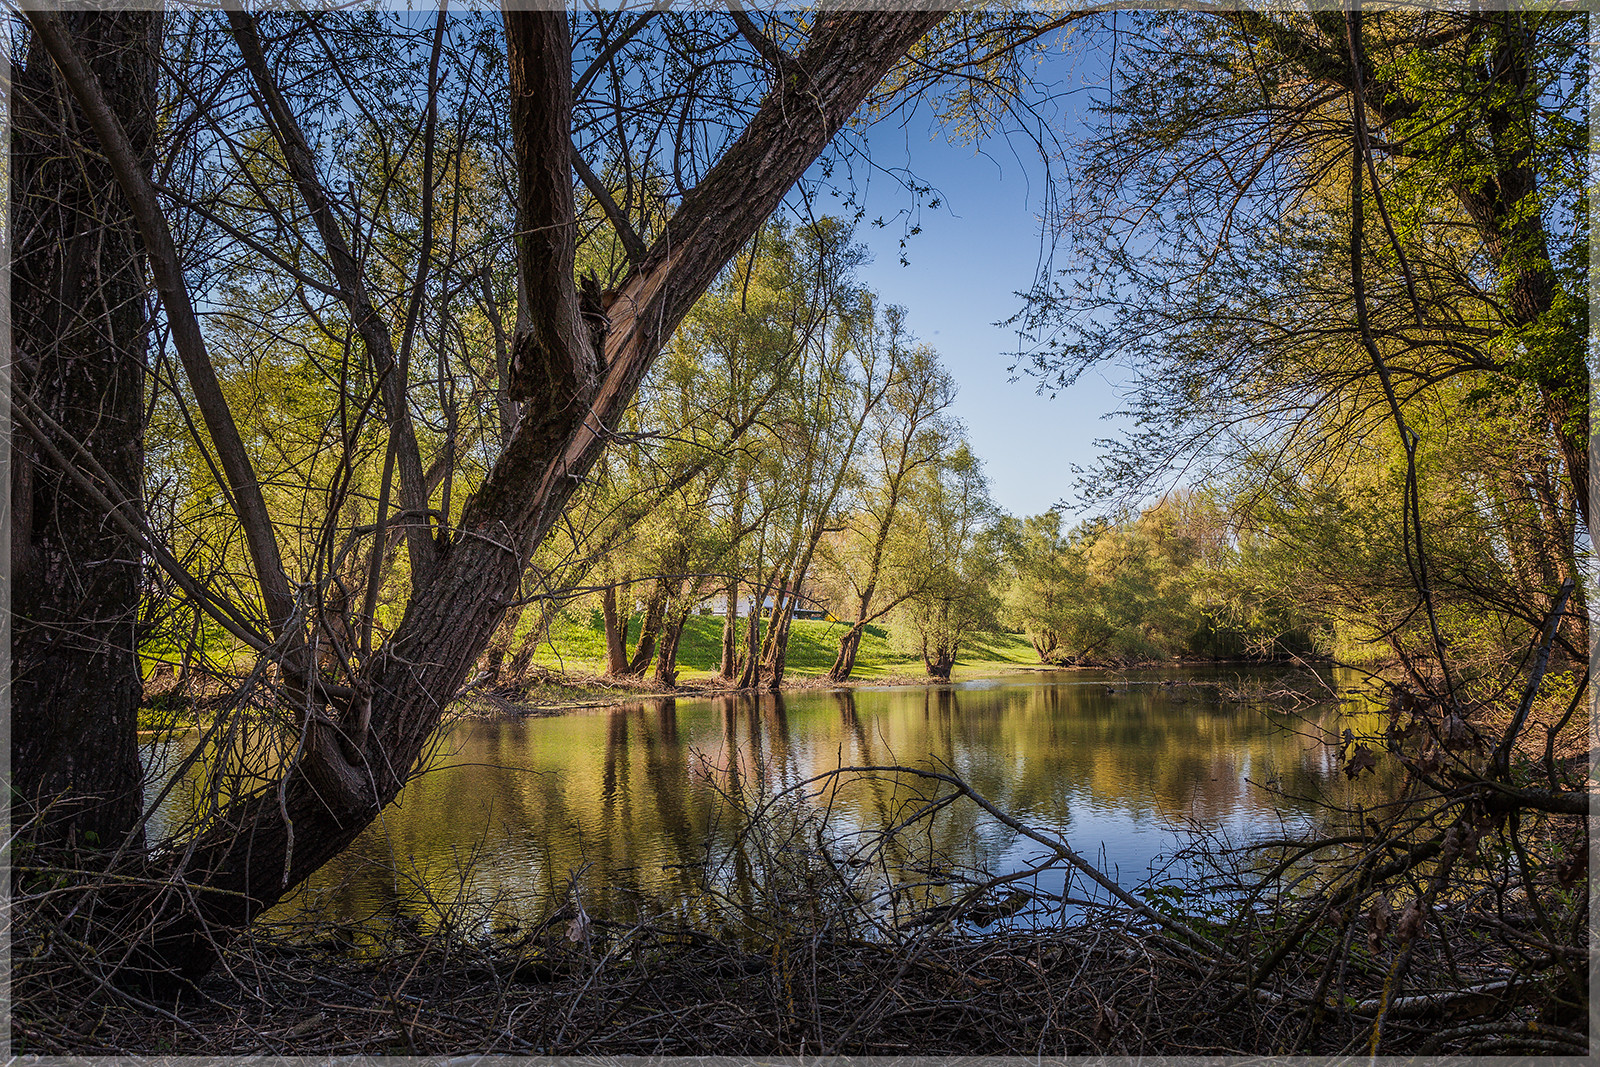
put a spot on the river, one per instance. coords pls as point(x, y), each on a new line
point(638, 810)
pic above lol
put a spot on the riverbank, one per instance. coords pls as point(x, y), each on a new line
point(545, 692)
point(647, 991)
point(574, 986)
point(802, 949)
point(548, 693)
point(552, 694)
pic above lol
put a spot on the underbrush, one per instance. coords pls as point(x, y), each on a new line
point(1424, 927)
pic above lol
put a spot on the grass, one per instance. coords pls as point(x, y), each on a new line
point(579, 643)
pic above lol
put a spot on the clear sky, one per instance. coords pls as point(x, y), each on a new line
point(973, 254)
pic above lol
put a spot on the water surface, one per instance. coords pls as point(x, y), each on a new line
point(638, 809)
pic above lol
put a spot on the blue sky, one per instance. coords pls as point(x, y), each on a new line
point(973, 254)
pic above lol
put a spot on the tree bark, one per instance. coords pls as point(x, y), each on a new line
point(80, 333)
point(729, 667)
point(655, 610)
point(672, 636)
point(616, 632)
point(844, 661)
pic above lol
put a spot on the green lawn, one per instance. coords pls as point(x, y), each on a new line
point(579, 643)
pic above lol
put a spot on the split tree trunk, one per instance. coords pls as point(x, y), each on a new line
point(616, 633)
point(728, 669)
point(655, 610)
point(844, 662)
point(672, 636)
point(262, 846)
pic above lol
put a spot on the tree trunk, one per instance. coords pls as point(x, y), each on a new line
point(672, 635)
point(729, 666)
point(650, 629)
point(844, 663)
point(79, 336)
point(780, 596)
point(750, 675)
point(778, 659)
point(616, 633)
point(939, 662)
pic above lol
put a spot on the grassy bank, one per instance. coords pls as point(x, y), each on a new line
point(579, 644)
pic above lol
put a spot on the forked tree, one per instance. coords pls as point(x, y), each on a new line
point(575, 364)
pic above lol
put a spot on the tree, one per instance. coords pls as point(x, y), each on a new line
point(951, 528)
point(1258, 354)
point(871, 554)
point(573, 366)
point(1039, 580)
point(80, 337)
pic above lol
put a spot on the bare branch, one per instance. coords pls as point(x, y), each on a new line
point(632, 243)
point(369, 323)
point(167, 271)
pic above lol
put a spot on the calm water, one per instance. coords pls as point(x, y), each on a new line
point(641, 807)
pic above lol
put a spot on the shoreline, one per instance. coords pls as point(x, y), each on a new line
point(603, 691)
point(556, 694)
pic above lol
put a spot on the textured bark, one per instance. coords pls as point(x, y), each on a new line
point(79, 337)
point(616, 633)
point(243, 864)
point(655, 610)
point(729, 667)
point(126, 161)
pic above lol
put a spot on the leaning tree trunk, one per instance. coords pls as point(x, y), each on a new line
point(778, 655)
point(360, 753)
point(844, 663)
point(650, 629)
point(79, 337)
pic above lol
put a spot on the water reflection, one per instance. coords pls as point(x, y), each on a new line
point(641, 805)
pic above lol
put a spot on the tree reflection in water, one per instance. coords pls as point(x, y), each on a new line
point(646, 801)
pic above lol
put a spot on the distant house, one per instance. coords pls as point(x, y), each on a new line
point(810, 607)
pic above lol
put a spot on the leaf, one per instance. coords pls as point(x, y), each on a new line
point(1412, 920)
point(1359, 759)
point(1378, 917)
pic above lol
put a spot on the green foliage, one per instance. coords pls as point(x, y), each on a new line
point(1212, 221)
point(1174, 580)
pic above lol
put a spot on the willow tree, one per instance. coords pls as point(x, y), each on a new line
point(575, 361)
point(1212, 220)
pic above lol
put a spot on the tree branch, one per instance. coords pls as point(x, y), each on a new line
point(632, 243)
point(553, 363)
point(616, 45)
point(369, 323)
point(166, 270)
point(775, 57)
